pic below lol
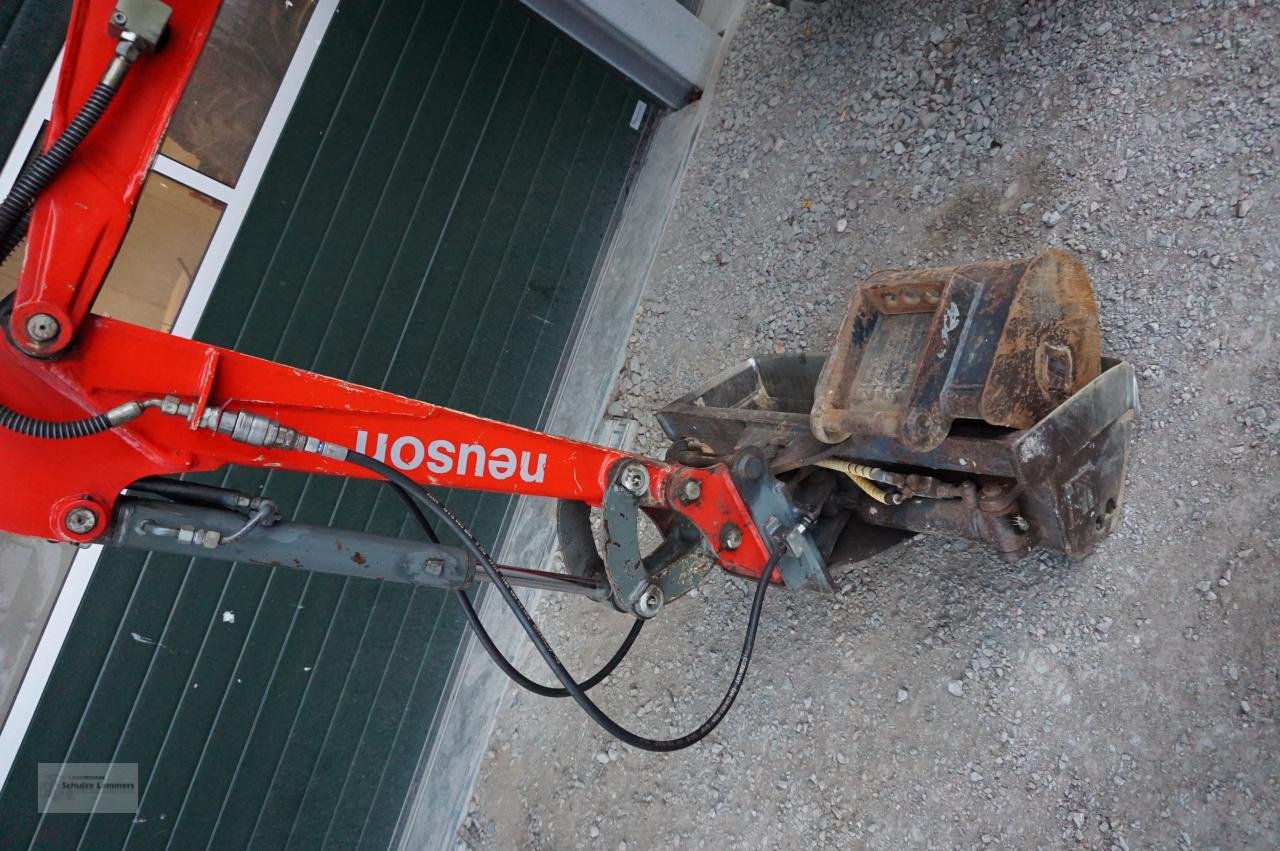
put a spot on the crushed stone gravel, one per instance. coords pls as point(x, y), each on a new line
point(942, 698)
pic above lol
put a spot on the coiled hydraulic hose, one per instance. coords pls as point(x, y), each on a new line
point(36, 176)
point(68, 429)
point(861, 476)
point(487, 642)
point(10, 242)
point(48, 429)
point(549, 656)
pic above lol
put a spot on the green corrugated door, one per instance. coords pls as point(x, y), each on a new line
point(30, 36)
point(428, 225)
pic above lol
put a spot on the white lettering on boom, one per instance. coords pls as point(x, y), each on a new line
point(397, 452)
point(442, 457)
point(471, 451)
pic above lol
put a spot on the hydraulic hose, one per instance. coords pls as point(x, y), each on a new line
point(68, 429)
point(49, 429)
point(36, 176)
point(487, 642)
point(858, 473)
point(10, 242)
point(544, 648)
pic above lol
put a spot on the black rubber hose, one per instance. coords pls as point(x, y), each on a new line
point(43, 168)
point(10, 242)
point(48, 429)
point(473, 618)
point(487, 642)
point(540, 642)
point(180, 491)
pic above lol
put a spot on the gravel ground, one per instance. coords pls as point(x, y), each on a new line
point(943, 698)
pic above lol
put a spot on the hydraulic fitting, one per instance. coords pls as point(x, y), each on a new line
point(259, 430)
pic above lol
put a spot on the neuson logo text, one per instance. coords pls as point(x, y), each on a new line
point(444, 456)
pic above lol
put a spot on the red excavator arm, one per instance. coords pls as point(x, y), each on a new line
point(63, 364)
point(229, 408)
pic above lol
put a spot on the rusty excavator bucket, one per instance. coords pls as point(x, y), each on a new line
point(1003, 343)
point(968, 400)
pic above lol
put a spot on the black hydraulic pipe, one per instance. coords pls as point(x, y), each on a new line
point(486, 641)
point(10, 242)
point(36, 176)
point(52, 430)
point(544, 648)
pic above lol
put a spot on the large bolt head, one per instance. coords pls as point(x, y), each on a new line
point(634, 479)
point(750, 467)
point(42, 327)
point(80, 520)
point(730, 536)
point(690, 491)
point(650, 602)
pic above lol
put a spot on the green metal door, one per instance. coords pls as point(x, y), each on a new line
point(30, 36)
point(429, 225)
